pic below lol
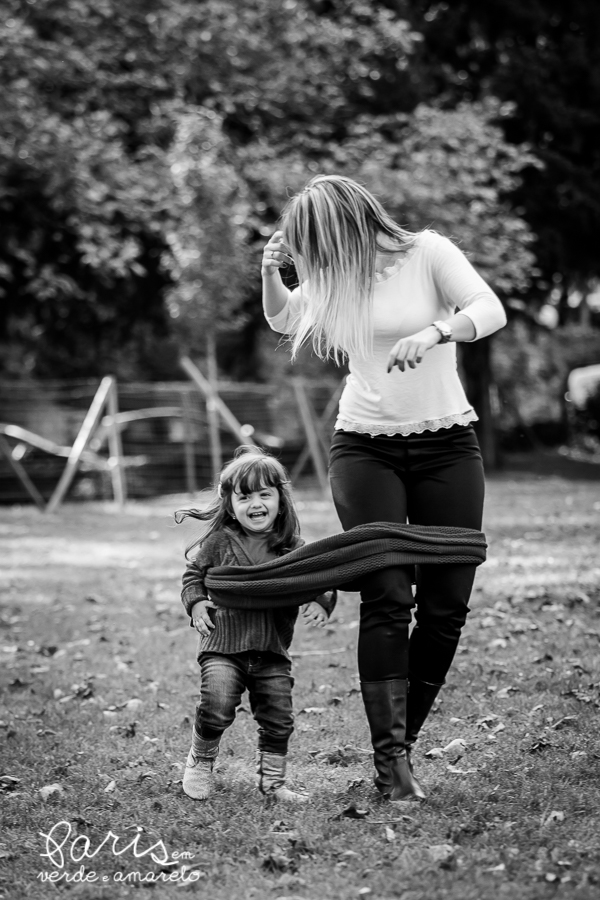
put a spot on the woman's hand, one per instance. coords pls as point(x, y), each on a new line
point(409, 351)
point(314, 614)
point(275, 255)
point(200, 615)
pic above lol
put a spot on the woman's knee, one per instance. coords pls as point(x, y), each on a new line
point(388, 587)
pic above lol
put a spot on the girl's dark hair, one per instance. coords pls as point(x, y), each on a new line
point(251, 469)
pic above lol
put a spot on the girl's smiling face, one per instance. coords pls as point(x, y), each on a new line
point(256, 511)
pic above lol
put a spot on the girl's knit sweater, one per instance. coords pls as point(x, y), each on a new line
point(237, 630)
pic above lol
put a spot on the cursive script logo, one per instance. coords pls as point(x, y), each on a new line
point(61, 849)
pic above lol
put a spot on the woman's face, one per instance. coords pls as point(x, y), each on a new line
point(256, 511)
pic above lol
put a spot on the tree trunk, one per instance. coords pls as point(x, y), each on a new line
point(477, 368)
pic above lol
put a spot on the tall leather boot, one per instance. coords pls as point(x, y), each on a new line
point(421, 697)
point(385, 706)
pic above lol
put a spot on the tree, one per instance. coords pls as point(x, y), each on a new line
point(543, 57)
point(83, 192)
point(207, 240)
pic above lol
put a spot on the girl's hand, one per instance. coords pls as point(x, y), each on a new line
point(201, 619)
point(314, 614)
point(275, 255)
point(411, 350)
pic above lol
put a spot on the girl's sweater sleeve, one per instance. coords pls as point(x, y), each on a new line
point(194, 589)
point(461, 286)
point(285, 322)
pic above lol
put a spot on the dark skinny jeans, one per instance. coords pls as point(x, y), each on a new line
point(268, 679)
point(433, 478)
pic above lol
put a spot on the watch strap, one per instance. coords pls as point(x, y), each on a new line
point(444, 330)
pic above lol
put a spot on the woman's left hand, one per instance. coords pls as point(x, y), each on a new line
point(409, 351)
point(314, 614)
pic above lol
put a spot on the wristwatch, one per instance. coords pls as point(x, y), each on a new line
point(445, 331)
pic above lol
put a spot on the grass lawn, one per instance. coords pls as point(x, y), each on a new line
point(99, 682)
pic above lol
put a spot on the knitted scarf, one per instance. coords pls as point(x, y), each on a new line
point(339, 561)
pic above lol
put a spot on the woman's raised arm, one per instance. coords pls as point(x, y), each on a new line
point(275, 293)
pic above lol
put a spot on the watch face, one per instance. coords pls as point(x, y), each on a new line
point(444, 329)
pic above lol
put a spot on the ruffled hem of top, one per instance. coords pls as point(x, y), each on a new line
point(410, 427)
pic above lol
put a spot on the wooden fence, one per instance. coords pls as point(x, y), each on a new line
point(103, 440)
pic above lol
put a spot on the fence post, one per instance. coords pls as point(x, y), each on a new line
point(115, 462)
point(322, 421)
point(81, 441)
point(21, 474)
point(310, 430)
point(207, 391)
point(188, 443)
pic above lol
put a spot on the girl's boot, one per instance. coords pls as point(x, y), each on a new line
point(385, 706)
point(421, 697)
point(270, 770)
point(198, 774)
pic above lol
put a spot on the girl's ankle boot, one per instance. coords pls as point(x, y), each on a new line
point(198, 774)
point(385, 706)
point(270, 770)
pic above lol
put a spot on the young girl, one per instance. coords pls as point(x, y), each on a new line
point(251, 521)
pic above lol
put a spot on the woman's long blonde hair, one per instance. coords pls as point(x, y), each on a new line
point(334, 228)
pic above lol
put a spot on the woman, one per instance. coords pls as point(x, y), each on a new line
point(404, 447)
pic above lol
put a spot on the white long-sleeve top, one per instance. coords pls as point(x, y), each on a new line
point(432, 281)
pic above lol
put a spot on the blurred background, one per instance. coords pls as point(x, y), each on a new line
point(146, 151)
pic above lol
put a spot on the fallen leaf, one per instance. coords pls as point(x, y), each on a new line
point(134, 703)
point(458, 744)
point(9, 782)
point(110, 787)
point(457, 771)
point(390, 834)
point(276, 861)
point(503, 693)
point(539, 746)
point(566, 720)
point(435, 753)
point(499, 868)
point(352, 812)
point(50, 789)
point(443, 854)
point(498, 644)
point(556, 815)
point(485, 721)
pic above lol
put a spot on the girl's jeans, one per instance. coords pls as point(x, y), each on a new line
point(433, 478)
point(266, 676)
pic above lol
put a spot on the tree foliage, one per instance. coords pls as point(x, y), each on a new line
point(146, 150)
point(543, 57)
